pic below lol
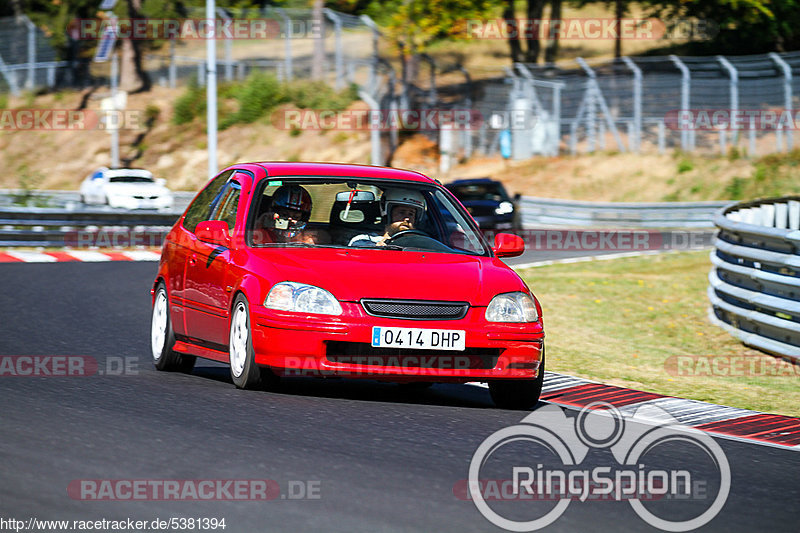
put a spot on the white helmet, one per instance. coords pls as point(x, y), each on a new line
point(394, 197)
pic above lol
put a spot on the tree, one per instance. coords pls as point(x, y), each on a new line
point(132, 76)
point(531, 28)
point(413, 25)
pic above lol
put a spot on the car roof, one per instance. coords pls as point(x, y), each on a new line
point(471, 181)
point(138, 172)
point(284, 168)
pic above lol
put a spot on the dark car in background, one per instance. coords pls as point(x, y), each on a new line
point(488, 203)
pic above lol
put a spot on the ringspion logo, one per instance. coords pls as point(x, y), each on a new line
point(550, 460)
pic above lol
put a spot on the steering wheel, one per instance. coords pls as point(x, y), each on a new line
point(407, 233)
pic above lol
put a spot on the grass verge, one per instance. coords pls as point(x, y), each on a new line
point(629, 322)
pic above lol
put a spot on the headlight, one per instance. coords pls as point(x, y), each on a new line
point(512, 307)
point(504, 208)
point(302, 298)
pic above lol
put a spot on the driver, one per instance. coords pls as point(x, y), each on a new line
point(403, 209)
point(288, 214)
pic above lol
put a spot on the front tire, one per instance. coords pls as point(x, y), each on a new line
point(245, 373)
point(518, 394)
point(162, 337)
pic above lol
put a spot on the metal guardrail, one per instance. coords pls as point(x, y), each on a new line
point(546, 211)
point(58, 218)
point(58, 227)
point(754, 284)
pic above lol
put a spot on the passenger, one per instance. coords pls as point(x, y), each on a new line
point(287, 217)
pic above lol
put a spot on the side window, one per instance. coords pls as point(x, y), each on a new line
point(201, 207)
point(227, 206)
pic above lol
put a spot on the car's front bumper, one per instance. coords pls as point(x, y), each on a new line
point(496, 222)
point(316, 345)
point(130, 202)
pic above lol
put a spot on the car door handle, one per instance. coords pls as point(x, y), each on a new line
point(193, 260)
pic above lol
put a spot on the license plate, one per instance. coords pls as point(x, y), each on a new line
point(419, 338)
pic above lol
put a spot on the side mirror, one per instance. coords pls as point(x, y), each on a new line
point(508, 245)
point(214, 232)
point(161, 182)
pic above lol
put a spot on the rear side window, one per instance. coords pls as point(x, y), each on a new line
point(200, 208)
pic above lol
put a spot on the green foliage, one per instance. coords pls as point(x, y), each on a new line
point(734, 154)
point(189, 105)
point(253, 99)
point(259, 94)
point(151, 113)
point(3, 101)
point(416, 25)
point(734, 189)
point(319, 95)
point(684, 165)
point(735, 26)
point(27, 183)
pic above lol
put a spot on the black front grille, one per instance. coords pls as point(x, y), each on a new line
point(416, 309)
point(361, 353)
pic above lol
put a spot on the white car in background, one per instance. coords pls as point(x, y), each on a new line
point(129, 188)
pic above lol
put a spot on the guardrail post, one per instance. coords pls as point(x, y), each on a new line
point(596, 97)
point(373, 71)
point(787, 96)
point(374, 132)
point(10, 76)
point(557, 118)
point(287, 42)
point(339, 52)
point(635, 142)
point(225, 16)
point(31, 83)
point(734, 94)
point(173, 69)
point(686, 82)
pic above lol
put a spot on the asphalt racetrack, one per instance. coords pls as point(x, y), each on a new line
point(339, 455)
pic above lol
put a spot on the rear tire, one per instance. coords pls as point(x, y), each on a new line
point(517, 394)
point(245, 373)
point(162, 337)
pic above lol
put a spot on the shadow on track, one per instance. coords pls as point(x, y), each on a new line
point(442, 394)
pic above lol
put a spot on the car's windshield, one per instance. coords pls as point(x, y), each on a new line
point(360, 213)
point(479, 191)
point(130, 179)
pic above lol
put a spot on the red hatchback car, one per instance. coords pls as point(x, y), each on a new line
point(312, 269)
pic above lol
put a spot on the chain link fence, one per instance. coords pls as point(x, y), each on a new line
point(707, 104)
point(627, 104)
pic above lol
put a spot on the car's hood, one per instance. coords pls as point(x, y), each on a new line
point(481, 203)
point(354, 274)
